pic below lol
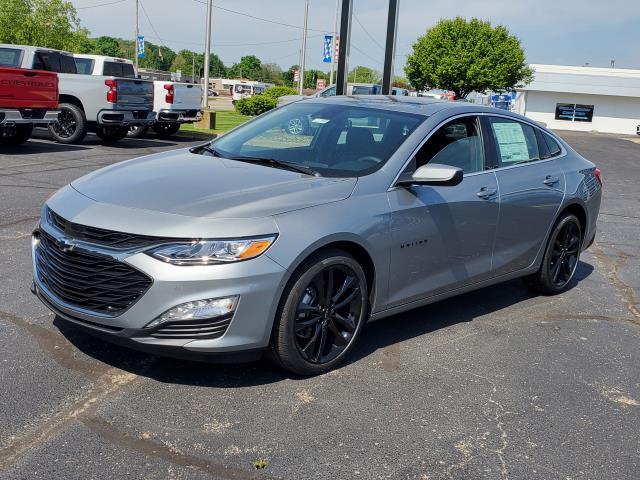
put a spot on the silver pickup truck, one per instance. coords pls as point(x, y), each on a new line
point(106, 104)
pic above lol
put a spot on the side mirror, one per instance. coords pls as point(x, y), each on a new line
point(434, 174)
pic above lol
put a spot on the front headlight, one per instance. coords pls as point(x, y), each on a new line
point(209, 252)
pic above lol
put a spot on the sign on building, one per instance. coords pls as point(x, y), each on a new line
point(140, 47)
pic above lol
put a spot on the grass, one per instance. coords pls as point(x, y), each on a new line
point(225, 120)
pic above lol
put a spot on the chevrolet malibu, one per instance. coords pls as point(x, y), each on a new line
point(269, 242)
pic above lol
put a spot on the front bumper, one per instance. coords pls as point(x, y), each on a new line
point(126, 117)
point(9, 118)
point(257, 282)
point(179, 116)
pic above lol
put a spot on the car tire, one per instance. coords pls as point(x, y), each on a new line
point(16, 135)
point(297, 126)
point(165, 130)
point(71, 126)
point(312, 335)
point(561, 257)
point(111, 133)
point(137, 131)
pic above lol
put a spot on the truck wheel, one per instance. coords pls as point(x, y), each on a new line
point(165, 130)
point(137, 131)
point(71, 126)
point(111, 133)
point(16, 135)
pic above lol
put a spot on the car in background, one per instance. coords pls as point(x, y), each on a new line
point(352, 89)
point(261, 242)
point(246, 89)
point(106, 104)
point(175, 103)
point(28, 98)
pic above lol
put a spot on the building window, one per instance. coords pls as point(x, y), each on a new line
point(574, 112)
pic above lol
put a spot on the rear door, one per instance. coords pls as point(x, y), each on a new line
point(531, 185)
point(186, 96)
point(442, 237)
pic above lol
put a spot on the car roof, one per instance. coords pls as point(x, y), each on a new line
point(416, 105)
point(33, 48)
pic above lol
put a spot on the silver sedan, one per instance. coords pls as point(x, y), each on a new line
point(268, 241)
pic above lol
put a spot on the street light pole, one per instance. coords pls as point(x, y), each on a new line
point(207, 55)
point(333, 42)
point(304, 44)
point(135, 50)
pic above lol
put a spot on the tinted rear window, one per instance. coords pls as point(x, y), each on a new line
point(84, 66)
point(552, 145)
point(118, 69)
point(10, 57)
point(54, 62)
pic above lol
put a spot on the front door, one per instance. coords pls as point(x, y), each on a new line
point(442, 237)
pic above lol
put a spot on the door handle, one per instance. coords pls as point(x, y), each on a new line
point(486, 193)
point(551, 180)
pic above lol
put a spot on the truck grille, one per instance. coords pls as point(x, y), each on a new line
point(88, 281)
point(107, 238)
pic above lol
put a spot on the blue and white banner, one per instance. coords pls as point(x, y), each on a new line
point(140, 48)
point(328, 40)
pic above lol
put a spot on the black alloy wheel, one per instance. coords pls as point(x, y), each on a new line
point(321, 314)
point(71, 126)
point(561, 257)
point(327, 314)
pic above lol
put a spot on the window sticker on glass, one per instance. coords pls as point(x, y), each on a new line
point(511, 141)
point(321, 121)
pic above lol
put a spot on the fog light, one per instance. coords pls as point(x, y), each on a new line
point(198, 309)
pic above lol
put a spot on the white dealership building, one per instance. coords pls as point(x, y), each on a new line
point(582, 98)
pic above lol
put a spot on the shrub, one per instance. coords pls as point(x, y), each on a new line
point(255, 105)
point(276, 92)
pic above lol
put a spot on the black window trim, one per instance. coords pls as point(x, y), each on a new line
point(531, 123)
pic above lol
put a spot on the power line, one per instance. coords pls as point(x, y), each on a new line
point(365, 54)
point(367, 32)
point(151, 24)
point(261, 18)
point(237, 44)
point(101, 5)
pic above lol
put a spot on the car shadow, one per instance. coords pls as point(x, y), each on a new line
point(377, 335)
point(36, 147)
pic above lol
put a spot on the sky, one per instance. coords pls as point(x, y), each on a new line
point(561, 32)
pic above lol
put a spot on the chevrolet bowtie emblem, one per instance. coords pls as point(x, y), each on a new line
point(66, 244)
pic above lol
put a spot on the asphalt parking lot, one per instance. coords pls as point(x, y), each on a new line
point(494, 384)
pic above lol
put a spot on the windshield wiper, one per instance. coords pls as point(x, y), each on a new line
point(207, 148)
point(294, 167)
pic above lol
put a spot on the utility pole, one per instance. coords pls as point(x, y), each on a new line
point(193, 68)
point(345, 41)
point(333, 42)
point(207, 55)
point(135, 42)
point(304, 44)
point(390, 47)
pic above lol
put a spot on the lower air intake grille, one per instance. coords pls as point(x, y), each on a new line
point(194, 329)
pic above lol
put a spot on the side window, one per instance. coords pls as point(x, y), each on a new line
point(84, 66)
point(457, 144)
point(552, 145)
point(112, 69)
point(515, 142)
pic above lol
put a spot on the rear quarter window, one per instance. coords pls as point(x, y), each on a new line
point(54, 62)
point(552, 145)
point(10, 57)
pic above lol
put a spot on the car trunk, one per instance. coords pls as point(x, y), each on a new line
point(20, 88)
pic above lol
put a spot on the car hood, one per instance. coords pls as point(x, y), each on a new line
point(185, 183)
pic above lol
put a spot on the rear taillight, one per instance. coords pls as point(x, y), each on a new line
point(169, 96)
point(112, 93)
point(598, 174)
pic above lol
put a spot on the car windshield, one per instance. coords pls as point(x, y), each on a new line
point(331, 139)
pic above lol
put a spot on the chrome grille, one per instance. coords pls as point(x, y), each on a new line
point(86, 280)
point(100, 236)
point(194, 329)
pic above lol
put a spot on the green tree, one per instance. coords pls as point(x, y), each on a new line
point(46, 23)
point(249, 67)
point(361, 74)
point(465, 56)
point(287, 77)
point(108, 46)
